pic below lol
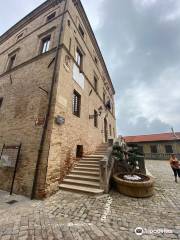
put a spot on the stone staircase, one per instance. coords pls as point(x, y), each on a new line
point(85, 177)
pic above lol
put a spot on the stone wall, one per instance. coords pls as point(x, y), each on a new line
point(76, 131)
point(25, 101)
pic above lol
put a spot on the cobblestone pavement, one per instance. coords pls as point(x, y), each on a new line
point(83, 217)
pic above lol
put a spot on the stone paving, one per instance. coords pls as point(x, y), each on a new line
point(84, 217)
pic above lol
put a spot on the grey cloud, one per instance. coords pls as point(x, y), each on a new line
point(140, 44)
point(140, 40)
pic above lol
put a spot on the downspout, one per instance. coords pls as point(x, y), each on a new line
point(49, 106)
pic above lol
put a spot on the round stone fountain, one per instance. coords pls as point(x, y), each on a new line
point(136, 185)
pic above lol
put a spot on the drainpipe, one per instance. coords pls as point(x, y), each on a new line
point(49, 107)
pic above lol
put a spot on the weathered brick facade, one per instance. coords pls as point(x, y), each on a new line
point(27, 96)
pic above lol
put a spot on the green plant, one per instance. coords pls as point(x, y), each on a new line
point(127, 159)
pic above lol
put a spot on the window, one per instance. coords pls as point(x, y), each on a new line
point(168, 149)
point(51, 16)
point(95, 83)
point(69, 23)
point(1, 101)
point(104, 98)
point(45, 44)
point(141, 149)
point(20, 36)
point(79, 58)
point(96, 61)
point(70, 42)
point(11, 62)
point(153, 148)
point(95, 119)
point(110, 130)
point(81, 31)
point(76, 103)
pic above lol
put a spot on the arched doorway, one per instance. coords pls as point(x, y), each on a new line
point(105, 130)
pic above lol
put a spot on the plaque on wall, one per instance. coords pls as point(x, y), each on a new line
point(40, 121)
point(9, 156)
point(67, 63)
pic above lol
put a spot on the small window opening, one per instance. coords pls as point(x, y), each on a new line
point(11, 62)
point(95, 119)
point(95, 83)
point(1, 101)
point(51, 16)
point(79, 151)
point(69, 23)
point(81, 31)
point(70, 42)
point(20, 36)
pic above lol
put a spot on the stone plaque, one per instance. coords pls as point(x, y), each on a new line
point(9, 156)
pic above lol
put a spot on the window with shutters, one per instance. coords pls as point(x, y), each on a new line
point(79, 58)
point(168, 149)
point(76, 103)
point(95, 119)
point(153, 148)
point(45, 44)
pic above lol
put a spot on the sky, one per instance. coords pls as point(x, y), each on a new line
point(140, 42)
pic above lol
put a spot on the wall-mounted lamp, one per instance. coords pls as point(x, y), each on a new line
point(100, 109)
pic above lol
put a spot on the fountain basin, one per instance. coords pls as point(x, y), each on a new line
point(140, 188)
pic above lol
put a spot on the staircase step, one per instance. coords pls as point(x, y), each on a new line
point(93, 169)
point(83, 177)
point(98, 152)
point(80, 189)
point(91, 165)
point(94, 156)
point(97, 159)
point(89, 162)
point(104, 148)
point(81, 182)
point(77, 172)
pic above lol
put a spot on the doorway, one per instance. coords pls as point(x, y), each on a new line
point(79, 151)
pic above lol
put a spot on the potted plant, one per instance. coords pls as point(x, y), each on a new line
point(129, 178)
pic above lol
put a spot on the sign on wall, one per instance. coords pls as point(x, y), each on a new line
point(78, 77)
point(9, 156)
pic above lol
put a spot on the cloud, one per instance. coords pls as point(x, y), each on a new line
point(13, 11)
point(142, 53)
point(140, 41)
point(93, 11)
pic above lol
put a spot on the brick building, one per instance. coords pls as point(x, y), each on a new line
point(56, 96)
point(157, 146)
